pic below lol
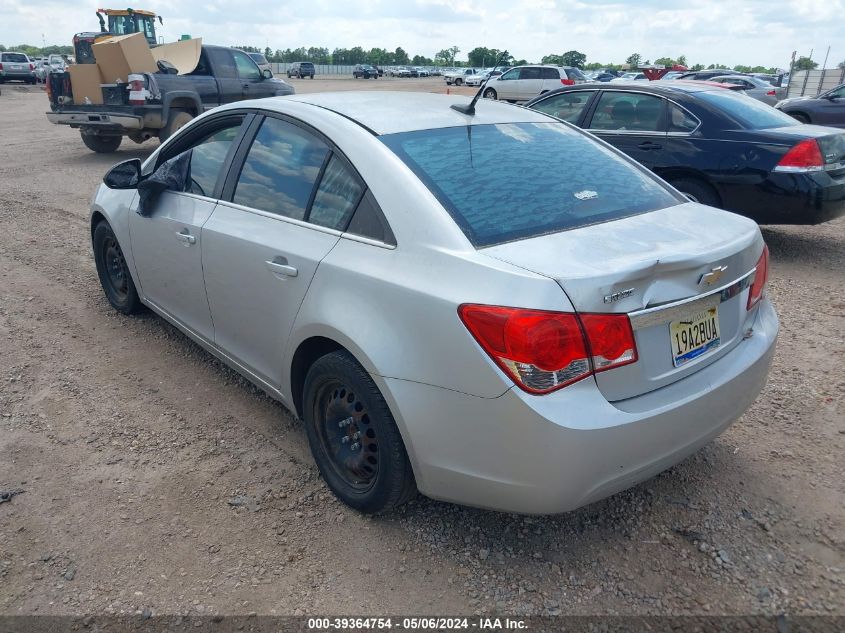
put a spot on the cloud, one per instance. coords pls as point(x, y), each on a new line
point(753, 32)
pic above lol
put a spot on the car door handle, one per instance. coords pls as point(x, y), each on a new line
point(649, 145)
point(186, 238)
point(279, 265)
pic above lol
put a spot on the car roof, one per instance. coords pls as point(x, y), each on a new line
point(392, 112)
point(673, 87)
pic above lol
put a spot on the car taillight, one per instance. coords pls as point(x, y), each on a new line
point(1, 66)
point(567, 82)
point(771, 93)
point(806, 156)
point(761, 276)
point(137, 92)
point(32, 66)
point(542, 351)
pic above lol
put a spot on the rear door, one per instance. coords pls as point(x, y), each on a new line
point(634, 122)
point(551, 79)
point(530, 83)
point(167, 245)
point(266, 238)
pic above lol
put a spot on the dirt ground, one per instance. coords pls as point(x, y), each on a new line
point(156, 480)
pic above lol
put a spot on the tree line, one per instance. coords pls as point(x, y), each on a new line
point(479, 56)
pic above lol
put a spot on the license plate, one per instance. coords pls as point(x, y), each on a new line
point(694, 335)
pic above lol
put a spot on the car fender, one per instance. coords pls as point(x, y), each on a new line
point(182, 96)
point(114, 206)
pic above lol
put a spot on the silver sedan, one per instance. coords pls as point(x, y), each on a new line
point(494, 309)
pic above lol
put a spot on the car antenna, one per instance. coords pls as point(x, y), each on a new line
point(470, 109)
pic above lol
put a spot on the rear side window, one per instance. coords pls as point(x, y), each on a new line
point(566, 105)
point(337, 196)
point(17, 58)
point(281, 169)
point(680, 120)
point(549, 73)
point(530, 73)
point(518, 180)
point(627, 111)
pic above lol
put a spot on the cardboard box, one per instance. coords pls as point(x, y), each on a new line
point(185, 55)
point(120, 56)
point(85, 80)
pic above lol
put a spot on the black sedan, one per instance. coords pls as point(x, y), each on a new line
point(826, 109)
point(720, 148)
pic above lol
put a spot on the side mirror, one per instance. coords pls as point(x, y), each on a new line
point(125, 175)
point(267, 73)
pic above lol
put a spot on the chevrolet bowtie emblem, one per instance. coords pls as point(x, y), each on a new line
point(715, 274)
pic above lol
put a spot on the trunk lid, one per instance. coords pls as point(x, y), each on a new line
point(652, 267)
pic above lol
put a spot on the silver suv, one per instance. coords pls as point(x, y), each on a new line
point(16, 66)
point(526, 82)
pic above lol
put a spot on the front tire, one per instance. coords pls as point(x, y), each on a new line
point(490, 94)
point(353, 436)
point(113, 271)
point(102, 144)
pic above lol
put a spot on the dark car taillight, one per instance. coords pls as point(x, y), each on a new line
point(542, 351)
point(761, 276)
point(803, 157)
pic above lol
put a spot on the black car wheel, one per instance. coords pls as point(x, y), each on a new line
point(353, 437)
point(101, 143)
point(458, 81)
point(697, 190)
point(113, 272)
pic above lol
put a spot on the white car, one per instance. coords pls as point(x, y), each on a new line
point(487, 305)
point(523, 83)
point(459, 76)
point(630, 77)
point(481, 77)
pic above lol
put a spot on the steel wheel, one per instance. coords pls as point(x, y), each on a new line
point(346, 434)
point(116, 271)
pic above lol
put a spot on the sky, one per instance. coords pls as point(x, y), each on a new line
point(752, 32)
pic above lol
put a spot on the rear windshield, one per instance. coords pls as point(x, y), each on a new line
point(518, 180)
point(14, 57)
point(306, 65)
point(748, 113)
point(574, 73)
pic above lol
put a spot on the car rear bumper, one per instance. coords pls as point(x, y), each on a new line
point(17, 75)
point(784, 198)
point(554, 453)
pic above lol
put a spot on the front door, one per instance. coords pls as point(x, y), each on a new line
point(167, 245)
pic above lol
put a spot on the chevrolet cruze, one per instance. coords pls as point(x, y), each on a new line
point(493, 308)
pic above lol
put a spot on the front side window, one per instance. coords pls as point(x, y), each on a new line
point(511, 74)
point(281, 169)
point(246, 67)
point(566, 105)
point(207, 158)
point(518, 180)
point(628, 111)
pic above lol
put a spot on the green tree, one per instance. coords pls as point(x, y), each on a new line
point(634, 60)
point(682, 60)
point(664, 61)
point(400, 56)
point(805, 63)
point(573, 58)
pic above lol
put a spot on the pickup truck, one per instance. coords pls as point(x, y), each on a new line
point(158, 104)
point(459, 76)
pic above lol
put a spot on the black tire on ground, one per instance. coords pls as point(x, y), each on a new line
point(353, 437)
point(312, 76)
point(458, 81)
point(113, 272)
point(489, 93)
point(101, 143)
point(800, 116)
point(698, 190)
point(177, 119)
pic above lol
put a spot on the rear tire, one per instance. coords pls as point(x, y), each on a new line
point(113, 271)
point(353, 437)
point(801, 117)
point(458, 82)
point(489, 93)
point(102, 144)
point(177, 119)
point(698, 190)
